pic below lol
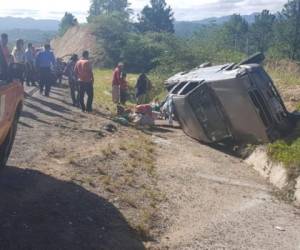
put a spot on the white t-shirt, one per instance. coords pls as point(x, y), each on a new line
point(19, 55)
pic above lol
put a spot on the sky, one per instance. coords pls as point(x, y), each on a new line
point(184, 10)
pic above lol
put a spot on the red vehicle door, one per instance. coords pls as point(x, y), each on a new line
point(10, 95)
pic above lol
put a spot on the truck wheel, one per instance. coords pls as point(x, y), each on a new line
point(6, 147)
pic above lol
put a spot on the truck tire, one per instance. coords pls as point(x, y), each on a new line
point(6, 147)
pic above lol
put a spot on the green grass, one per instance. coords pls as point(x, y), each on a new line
point(287, 151)
point(103, 79)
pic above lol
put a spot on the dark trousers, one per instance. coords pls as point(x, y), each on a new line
point(45, 80)
point(86, 88)
point(123, 96)
point(30, 74)
point(74, 88)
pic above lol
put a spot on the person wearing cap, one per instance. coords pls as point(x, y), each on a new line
point(85, 77)
point(44, 61)
point(116, 83)
point(70, 73)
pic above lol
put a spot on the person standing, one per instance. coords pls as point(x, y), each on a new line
point(116, 83)
point(59, 69)
point(85, 77)
point(123, 89)
point(18, 54)
point(44, 61)
point(142, 87)
point(4, 56)
point(70, 73)
point(4, 48)
point(30, 65)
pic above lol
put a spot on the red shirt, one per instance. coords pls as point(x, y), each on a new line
point(117, 77)
point(144, 109)
point(83, 71)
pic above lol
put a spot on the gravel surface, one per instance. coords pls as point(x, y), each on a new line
point(215, 201)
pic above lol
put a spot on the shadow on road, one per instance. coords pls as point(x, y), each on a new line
point(32, 116)
point(40, 212)
point(51, 105)
point(48, 113)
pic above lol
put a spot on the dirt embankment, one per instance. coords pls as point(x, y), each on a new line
point(75, 40)
point(77, 181)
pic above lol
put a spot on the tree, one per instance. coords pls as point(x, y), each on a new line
point(102, 7)
point(234, 34)
point(66, 22)
point(111, 31)
point(261, 32)
point(288, 30)
point(157, 18)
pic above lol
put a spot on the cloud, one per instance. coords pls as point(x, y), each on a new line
point(189, 10)
point(226, 7)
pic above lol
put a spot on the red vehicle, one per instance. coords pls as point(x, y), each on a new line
point(11, 103)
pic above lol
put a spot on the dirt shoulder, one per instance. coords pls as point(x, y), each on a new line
point(75, 183)
point(215, 201)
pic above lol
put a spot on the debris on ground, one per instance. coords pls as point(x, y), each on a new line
point(111, 128)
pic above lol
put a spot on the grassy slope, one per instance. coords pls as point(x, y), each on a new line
point(285, 75)
point(103, 78)
point(131, 154)
point(287, 151)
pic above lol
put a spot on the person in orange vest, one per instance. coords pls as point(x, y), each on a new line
point(85, 77)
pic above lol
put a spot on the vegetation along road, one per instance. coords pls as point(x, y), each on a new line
point(79, 181)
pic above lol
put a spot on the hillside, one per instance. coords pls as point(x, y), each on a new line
point(31, 30)
point(11, 23)
point(76, 40)
point(187, 28)
point(36, 37)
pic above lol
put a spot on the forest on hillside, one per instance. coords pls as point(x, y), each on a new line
point(149, 42)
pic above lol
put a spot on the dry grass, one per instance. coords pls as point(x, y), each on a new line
point(103, 79)
point(283, 72)
point(123, 171)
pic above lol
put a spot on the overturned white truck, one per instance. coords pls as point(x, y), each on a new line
point(231, 102)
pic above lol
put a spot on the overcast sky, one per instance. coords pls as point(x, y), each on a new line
point(184, 9)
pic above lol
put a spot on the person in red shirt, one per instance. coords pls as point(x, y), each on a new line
point(116, 83)
point(123, 89)
point(85, 77)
